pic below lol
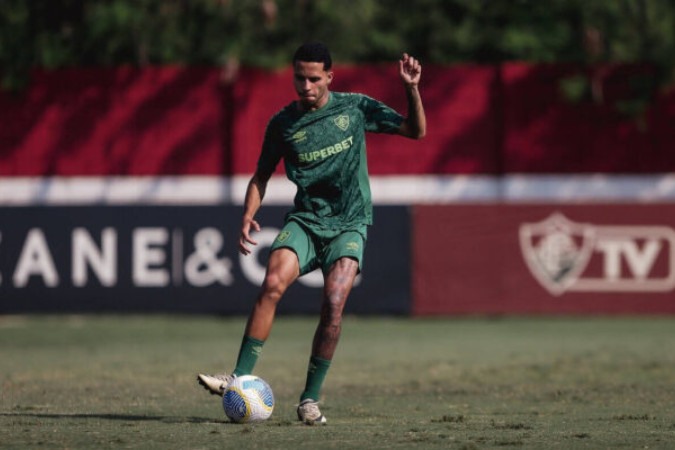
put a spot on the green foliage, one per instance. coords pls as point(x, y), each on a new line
point(263, 33)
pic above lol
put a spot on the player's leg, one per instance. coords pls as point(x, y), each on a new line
point(338, 283)
point(282, 270)
point(292, 253)
point(344, 255)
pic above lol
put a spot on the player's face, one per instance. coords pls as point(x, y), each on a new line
point(311, 83)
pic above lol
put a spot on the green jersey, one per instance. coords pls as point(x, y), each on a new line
point(324, 153)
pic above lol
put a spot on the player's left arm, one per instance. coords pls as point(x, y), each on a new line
point(415, 124)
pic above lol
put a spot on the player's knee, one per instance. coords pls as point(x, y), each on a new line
point(334, 302)
point(274, 287)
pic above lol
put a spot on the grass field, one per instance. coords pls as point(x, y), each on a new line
point(470, 383)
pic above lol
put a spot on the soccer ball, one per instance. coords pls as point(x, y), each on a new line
point(248, 399)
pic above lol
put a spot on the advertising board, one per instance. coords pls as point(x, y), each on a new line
point(174, 259)
point(562, 258)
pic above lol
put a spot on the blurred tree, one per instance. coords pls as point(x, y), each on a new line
point(263, 33)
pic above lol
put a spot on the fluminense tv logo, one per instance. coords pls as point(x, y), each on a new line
point(565, 256)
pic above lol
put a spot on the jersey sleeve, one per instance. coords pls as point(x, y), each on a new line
point(379, 118)
point(272, 151)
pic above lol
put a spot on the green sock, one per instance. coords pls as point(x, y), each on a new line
point(248, 355)
point(316, 373)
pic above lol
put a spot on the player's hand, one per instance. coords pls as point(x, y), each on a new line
point(245, 238)
point(410, 70)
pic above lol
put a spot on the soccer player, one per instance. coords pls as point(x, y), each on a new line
point(321, 138)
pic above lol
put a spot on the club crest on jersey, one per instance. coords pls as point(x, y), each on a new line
point(342, 122)
point(352, 246)
point(283, 236)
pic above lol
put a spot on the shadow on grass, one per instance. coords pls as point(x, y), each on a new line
point(120, 417)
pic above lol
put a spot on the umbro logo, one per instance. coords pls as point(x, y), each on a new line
point(299, 136)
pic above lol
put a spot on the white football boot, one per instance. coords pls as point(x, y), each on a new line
point(309, 413)
point(215, 384)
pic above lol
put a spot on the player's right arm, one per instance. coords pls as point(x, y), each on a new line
point(255, 191)
point(254, 195)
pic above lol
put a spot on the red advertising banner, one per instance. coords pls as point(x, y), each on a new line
point(482, 120)
point(544, 259)
point(612, 125)
point(114, 121)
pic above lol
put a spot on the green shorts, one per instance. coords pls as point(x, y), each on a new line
point(321, 248)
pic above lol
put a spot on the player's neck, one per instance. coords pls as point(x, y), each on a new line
point(314, 106)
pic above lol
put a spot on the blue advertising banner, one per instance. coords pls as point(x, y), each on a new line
point(78, 259)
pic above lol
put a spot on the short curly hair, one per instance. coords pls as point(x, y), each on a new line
point(313, 52)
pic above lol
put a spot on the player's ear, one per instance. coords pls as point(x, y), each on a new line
point(329, 76)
